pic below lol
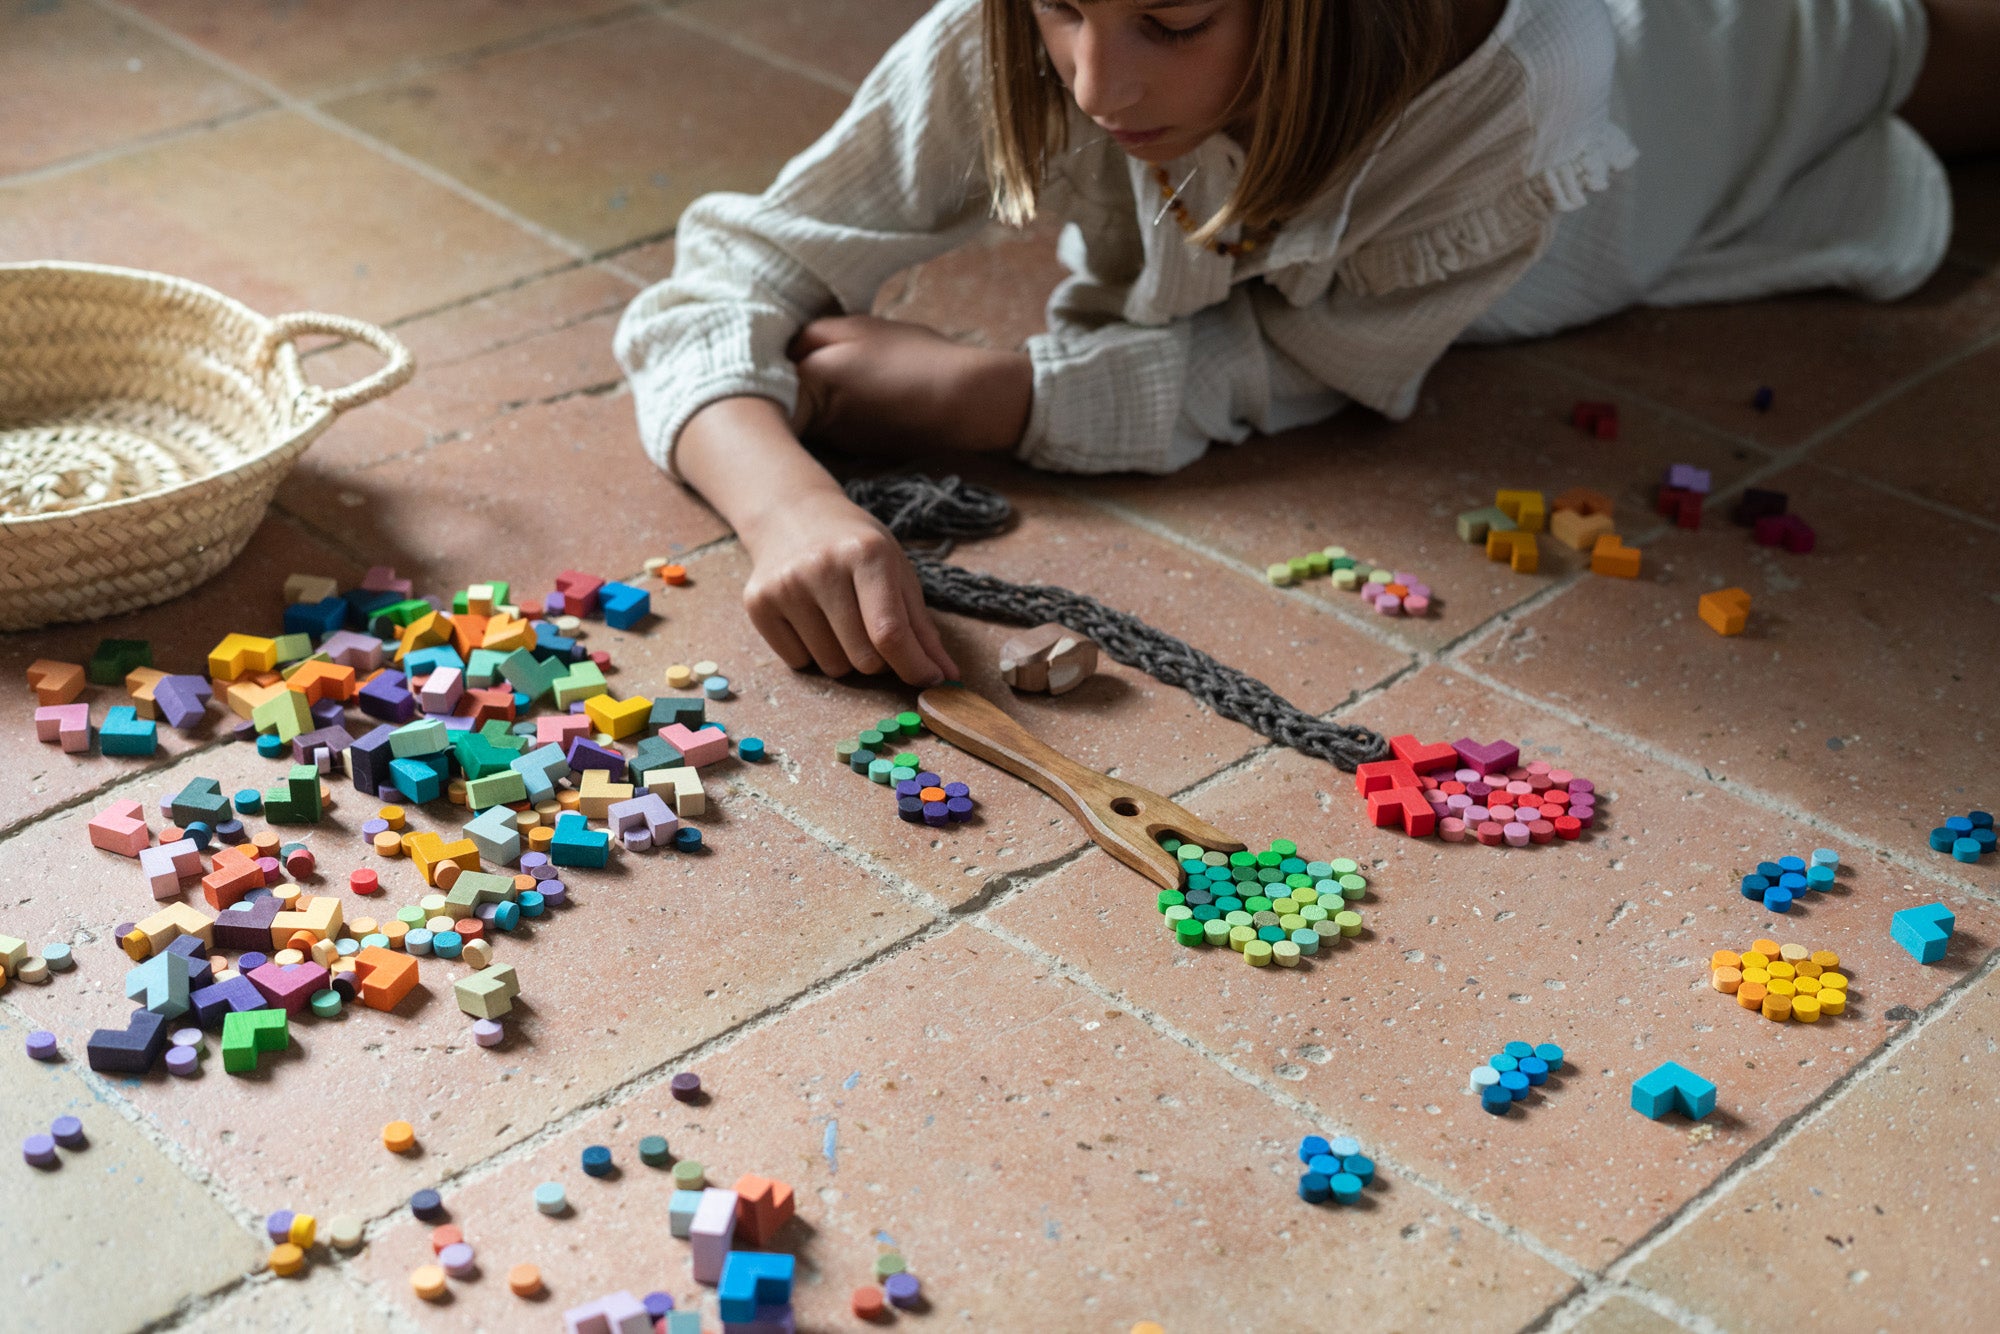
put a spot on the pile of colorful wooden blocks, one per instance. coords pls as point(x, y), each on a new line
point(450, 687)
point(1490, 795)
point(1966, 837)
point(922, 797)
point(1336, 1170)
point(1271, 907)
point(1780, 884)
point(1389, 592)
point(1580, 518)
point(1781, 981)
point(1510, 1072)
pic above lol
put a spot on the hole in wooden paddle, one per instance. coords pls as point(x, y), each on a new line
point(1125, 806)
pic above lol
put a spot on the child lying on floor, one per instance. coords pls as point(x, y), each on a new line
point(1274, 207)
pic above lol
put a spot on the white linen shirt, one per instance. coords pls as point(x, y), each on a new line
point(1155, 347)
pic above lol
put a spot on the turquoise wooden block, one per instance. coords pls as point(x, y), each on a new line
point(1673, 1087)
point(1925, 932)
point(125, 733)
point(576, 844)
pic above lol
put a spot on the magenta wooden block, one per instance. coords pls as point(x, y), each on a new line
point(1487, 757)
point(382, 579)
point(288, 986)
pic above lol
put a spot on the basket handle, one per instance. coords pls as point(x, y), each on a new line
point(401, 365)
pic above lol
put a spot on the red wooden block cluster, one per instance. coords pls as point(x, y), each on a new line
point(1468, 789)
point(1598, 419)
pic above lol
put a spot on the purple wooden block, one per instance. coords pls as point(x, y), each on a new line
point(130, 1050)
point(200, 971)
point(361, 652)
point(585, 754)
point(243, 730)
point(1487, 757)
point(328, 712)
point(368, 759)
point(388, 699)
point(1687, 477)
point(768, 1320)
point(236, 994)
point(183, 700)
point(288, 986)
point(246, 928)
point(333, 736)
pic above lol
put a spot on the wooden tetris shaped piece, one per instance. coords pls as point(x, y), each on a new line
point(1725, 611)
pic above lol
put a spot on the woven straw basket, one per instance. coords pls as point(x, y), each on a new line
point(145, 423)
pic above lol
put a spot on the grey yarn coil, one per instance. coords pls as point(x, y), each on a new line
point(917, 508)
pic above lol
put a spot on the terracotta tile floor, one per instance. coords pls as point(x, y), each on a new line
point(976, 1044)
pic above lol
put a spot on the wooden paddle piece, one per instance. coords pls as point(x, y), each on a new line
point(1127, 821)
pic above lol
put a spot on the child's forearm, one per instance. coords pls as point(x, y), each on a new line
point(741, 455)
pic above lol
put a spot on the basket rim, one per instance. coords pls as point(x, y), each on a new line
point(286, 364)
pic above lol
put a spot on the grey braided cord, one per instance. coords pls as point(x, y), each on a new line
point(919, 508)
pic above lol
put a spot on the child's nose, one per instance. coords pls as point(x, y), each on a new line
point(1104, 85)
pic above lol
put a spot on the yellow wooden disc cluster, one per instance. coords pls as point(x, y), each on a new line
point(1781, 981)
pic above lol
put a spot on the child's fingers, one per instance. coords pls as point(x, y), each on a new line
point(927, 632)
point(885, 612)
point(799, 618)
point(778, 633)
point(838, 603)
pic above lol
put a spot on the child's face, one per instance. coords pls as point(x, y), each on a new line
point(1159, 76)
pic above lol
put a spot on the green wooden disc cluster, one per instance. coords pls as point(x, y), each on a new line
point(1347, 571)
point(1271, 907)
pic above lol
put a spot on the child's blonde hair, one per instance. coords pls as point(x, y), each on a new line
point(1326, 78)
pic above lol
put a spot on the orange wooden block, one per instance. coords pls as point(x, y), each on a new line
point(468, 632)
point(55, 682)
point(139, 683)
point(324, 680)
point(1577, 531)
point(385, 977)
point(763, 1207)
point(1582, 500)
point(230, 881)
point(1611, 556)
point(1725, 611)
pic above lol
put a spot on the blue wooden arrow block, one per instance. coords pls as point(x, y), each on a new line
point(1670, 1088)
point(1925, 932)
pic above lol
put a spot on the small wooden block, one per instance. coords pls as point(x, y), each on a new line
point(1725, 611)
point(241, 655)
point(1579, 530)
point(65, 724)
point(120, 828)
point(619, 718)
point(1612, 557)
point(1582, 500)
point(1527, 509)
point(698, 748)
point(55, 682)
point(1476, 525)
point(1049, 657)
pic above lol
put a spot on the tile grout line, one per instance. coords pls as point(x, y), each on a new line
point(724, 37)
point(132, 147)
point(1751, 1160)
point(325, 121)
point(421, 66)
point(1907, 497)
point(205, 1180)
point(1161, 1027)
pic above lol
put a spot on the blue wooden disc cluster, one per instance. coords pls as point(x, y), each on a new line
point(1779, 884)
point(1966, 837)
point(1510, 1072)
point(1335, 1170)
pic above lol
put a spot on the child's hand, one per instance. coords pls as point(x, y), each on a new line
point(870, 386)
point(832, 587)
